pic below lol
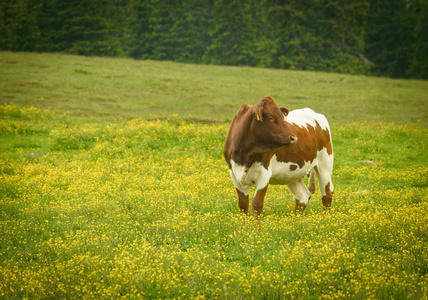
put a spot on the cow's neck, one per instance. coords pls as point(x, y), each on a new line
point(247, 157)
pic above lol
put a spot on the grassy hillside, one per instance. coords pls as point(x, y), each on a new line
point(99, 202)
point(124, 88)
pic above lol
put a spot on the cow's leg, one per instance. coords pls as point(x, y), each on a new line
point(301, 194)
point(328, 197)
point(326, 188)
point(311, 181)
point(258, 201)
point(244, 202)
point(326, 185)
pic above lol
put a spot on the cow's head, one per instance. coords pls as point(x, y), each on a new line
point(269, 129)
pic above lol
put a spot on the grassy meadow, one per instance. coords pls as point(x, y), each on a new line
point(113, 185)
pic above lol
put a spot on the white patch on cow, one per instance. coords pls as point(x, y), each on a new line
point(281, 173)
point(304, 116)
point(325, 169)
point(237, 173)
point(300, 191)
point(243, 178)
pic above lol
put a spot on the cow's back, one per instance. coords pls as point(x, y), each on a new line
point(306, 116)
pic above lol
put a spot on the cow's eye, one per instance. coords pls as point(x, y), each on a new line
point(272, 119)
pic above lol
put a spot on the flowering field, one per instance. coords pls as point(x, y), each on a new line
point(146, 209)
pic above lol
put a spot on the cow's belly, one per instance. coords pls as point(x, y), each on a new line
point(285, 173)
point(277, 173)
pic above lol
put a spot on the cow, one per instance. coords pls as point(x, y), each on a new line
point(270, 145)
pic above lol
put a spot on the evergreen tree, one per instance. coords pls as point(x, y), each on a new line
point(419, 64)
point(18, 25)
point(382, 37)
point(233, 33)
point(170, 30)
point(390, 36)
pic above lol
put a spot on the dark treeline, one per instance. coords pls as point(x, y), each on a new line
point(377, 37)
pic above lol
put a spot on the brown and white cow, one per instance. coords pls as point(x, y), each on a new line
point(266, 144)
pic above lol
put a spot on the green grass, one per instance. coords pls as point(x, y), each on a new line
point(132, 198)
point(111, 89)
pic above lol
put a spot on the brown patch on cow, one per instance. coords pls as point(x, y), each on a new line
point(293, 168)
point(310, 140)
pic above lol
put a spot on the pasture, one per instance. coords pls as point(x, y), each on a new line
point(113, 185)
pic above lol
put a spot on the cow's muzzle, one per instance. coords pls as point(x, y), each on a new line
point(292, 139)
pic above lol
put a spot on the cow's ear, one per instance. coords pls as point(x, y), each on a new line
point(285, 112)
point(258, 113)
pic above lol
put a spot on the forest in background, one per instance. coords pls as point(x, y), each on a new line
point(370, 37)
